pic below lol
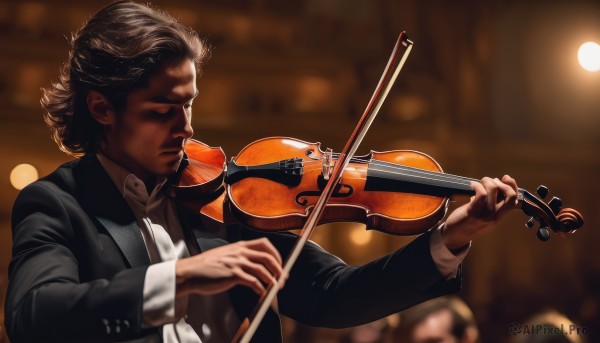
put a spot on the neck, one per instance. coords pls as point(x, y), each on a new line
point(149, 180)
point(385, 176)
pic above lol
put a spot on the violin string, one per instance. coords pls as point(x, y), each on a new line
point(390, 165)
point(435, 182)
point(409, 171)
point(394, 165)
point(438, 176)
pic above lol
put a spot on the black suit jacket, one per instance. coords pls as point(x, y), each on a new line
point(79, 262)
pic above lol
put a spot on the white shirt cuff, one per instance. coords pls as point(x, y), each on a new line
point(446, 262)
point(159, 294)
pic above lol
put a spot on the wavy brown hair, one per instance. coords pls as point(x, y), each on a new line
point(116, 51)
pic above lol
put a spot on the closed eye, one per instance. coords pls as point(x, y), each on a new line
point(162, 114)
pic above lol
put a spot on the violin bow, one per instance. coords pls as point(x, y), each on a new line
point(397, 59)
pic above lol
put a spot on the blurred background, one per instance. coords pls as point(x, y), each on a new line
point(491, 87)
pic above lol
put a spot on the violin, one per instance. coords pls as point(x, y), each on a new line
point(273, 184)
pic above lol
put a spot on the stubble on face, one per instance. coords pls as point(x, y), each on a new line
point(148, 136)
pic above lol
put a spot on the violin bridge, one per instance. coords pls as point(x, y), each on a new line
point(327, 161)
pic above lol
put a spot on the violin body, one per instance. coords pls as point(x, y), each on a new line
point(273, 203)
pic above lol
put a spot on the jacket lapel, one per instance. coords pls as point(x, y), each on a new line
point(101, 199)
point(129, 239)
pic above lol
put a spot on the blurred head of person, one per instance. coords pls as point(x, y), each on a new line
point(441, 320)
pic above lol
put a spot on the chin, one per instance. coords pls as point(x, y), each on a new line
point(170, 167)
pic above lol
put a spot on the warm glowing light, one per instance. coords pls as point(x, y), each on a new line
point(22, 175)
point(589, 56)
point(293, 143)
point(360, 236)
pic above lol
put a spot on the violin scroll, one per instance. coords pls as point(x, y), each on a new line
point(549, 215)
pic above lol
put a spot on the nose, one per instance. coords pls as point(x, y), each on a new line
point(183, 127)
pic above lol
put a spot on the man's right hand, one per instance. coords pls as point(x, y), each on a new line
point(254, 263)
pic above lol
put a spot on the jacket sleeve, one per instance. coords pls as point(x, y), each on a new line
point(322, 290)
point(46, 301)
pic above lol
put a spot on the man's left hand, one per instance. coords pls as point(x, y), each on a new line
point(492, 200)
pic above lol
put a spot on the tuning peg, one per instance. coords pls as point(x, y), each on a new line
point(555, 204)
point(543, 234)
point(530, 223)
point(542, 191)
point(566, 227)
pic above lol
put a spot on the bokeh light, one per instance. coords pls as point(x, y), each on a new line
point(22, 175)
point(359, 235)
point(589, 56)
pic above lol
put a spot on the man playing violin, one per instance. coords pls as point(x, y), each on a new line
point(101, 253)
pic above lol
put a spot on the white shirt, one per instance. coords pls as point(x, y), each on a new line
point(214, 318)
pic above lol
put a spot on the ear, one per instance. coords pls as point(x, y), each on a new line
point(100, 108)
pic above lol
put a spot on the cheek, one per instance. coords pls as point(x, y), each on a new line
point(139, 138)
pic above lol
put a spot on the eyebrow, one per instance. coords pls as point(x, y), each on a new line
point(166, 100)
